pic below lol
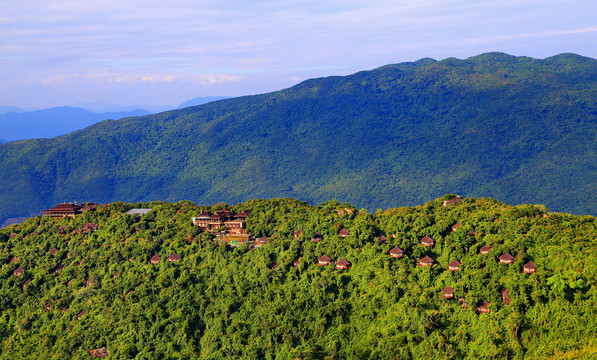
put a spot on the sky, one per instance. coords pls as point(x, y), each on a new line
point(137, 52)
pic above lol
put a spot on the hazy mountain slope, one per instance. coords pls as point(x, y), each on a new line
point(54, 122)
point(515, 128)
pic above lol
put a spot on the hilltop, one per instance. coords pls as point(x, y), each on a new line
point(519, 129)
point(149, 284)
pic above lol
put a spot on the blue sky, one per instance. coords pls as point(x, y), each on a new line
point(62, 52)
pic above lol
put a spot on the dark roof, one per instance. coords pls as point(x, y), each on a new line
point(53, 251)
point(65, 207)
point(483, 304)
point(173, 257)
point(454, 263)
point(261, 240)
point(396, 250)
point(448, 290)
point(324, 258)
point(529, 265)
point(296, 262)
point(426, 260)
point(485, 248)
point(274, 266)
point(506, 257)
point(426, 240)
point(343, 262)
point(19, 271)
point(59, 268)
point(382, 238)
point(506, 297)
point(156, 257)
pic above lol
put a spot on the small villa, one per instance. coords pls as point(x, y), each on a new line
point(343, 264)
point(448, 293)
point(344, 233)
point(324, 260)
point(174, 257)
point(396, 252)
point(506, 297)
point(427, 241)
point(19, 271)
point(53, 251)
point(14, 260)
point(506, 259)
point(484, 250)
point(317, 237)
point(454, 265)
point(455, 226)
point(483, 307)
point(529, 268)
point(296, 262)
point(260, 241)
point(155, 259)
point(452, 201)
point(426, 262)
point(297, 234)
point(90, 227)
point(58, 269)
point(382, 239)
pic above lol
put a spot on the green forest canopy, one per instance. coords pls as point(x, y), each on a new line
point(221, 302)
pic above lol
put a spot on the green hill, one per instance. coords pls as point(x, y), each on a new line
point(519, 129)
point(222, 302)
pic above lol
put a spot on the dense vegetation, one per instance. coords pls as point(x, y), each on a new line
point(221, 302)
point(518, 129)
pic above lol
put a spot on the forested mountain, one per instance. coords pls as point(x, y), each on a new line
point(66, 292)
point(54, 122)
point(519, 129)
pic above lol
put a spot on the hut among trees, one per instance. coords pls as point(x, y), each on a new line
point(90, 227)
point(174, 257)
point(483, 307)
point(343, 264)
point(382, 239)
point(506, 297)
point(506, 259)
point(448, 293)
point(427, 241)
point(53, 251)
point(455, 226)
point(484, 250)
point(426, 262)
point(324, 260)
point(454, 265)
point(296, 262)
point(19, 271)
point(155, 259)
point(452, 201)
point(317, 237)
point(297, 234)
point(344, 233)
point(529, 268)
point(396, 252)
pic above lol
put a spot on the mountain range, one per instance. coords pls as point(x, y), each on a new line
point(519, 129)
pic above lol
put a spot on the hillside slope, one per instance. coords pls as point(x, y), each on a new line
point(515, 128)
point(77, 292)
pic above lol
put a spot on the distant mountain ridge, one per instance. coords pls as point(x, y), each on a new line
point(518, 129)
point(54, 122)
